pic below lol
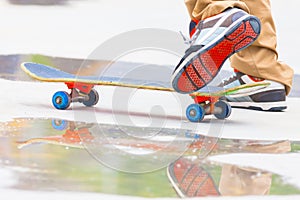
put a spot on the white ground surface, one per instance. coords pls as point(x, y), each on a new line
point(76, 30)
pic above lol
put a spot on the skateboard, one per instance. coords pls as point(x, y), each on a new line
point(207, 100)
point(81, 135)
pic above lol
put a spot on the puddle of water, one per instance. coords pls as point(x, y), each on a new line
point(47, 154)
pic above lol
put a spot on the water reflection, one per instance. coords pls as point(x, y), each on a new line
point(10, 67)
point(124, 148)
point(192, 177)
point(47, 157)
point(51, 154)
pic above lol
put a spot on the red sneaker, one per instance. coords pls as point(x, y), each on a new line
point(214, 40)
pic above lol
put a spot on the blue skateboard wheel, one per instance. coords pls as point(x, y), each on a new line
point(195, 113)
point(61, 100)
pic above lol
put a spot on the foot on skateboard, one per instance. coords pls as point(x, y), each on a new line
point(214, 40)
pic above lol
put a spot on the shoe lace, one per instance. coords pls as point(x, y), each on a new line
point(229, 80)
point(190, 41)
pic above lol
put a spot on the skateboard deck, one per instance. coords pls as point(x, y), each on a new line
point(207, 100)
point(50, 74)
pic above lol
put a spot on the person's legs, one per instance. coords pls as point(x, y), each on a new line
point(260, 59)
point(202, 9)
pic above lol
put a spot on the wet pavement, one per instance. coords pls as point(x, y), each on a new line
point(58, 155)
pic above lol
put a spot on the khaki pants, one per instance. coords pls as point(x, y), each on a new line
point(260, 59)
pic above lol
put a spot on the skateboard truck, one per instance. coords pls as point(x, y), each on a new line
point(205, 106)
point(82, 93)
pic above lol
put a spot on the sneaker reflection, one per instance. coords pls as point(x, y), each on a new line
point(192, 177)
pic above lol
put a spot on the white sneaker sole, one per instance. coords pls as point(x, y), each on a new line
point(264, 106)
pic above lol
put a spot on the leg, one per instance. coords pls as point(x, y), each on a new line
point(260, 59)
point(202, 9)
